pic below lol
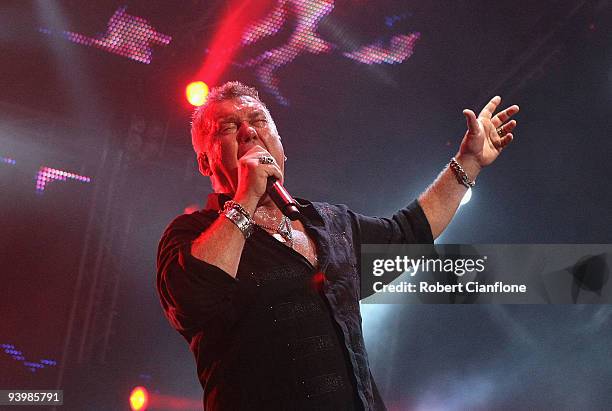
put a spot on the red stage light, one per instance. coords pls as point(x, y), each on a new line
point(196, 93)
point(227, 39)
point(139, 399)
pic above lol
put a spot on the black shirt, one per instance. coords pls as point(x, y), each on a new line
point(281, 335)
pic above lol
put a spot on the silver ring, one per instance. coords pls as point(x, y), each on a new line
point(266, 160)
point(500, 131)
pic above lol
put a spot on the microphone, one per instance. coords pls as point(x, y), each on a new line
point(283, 200)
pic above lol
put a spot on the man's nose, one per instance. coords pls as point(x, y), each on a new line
point(246, 132)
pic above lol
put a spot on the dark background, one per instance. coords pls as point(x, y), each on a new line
point(78, 260)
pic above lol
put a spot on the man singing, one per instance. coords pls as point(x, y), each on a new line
point(270, 306)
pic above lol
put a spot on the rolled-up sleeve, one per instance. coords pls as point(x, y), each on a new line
point(408, 226)
point(196, 296)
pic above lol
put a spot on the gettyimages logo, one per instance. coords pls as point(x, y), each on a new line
point(401, 264)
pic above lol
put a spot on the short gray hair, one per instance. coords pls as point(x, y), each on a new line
point(200, 125)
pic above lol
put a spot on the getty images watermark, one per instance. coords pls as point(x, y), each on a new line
point(456, 266)
point(476, 274)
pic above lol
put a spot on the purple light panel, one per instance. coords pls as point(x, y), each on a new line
point(47, 175)
point(304, 40)
point(126, 35)
point(18, 356)
point(8, 160)
point(400, 48)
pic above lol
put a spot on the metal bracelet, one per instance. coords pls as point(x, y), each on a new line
point(460, 173)
point(233, 204)
point(239, 216)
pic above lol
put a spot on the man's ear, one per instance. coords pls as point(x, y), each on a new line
point(203, 164)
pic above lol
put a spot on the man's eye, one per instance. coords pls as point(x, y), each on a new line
point(227, 128)
point(260, 123)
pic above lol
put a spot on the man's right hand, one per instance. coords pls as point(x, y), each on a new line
point(253, 177)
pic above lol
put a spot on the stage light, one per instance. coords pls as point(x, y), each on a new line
point(196, 93)
point(466, 197)
point(126, 35)
point(47, 174)
point(305, 39)
point(399, 49)
point(18, 356)
point(139, 399)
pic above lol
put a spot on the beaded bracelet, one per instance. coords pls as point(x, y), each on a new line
point(461, 175)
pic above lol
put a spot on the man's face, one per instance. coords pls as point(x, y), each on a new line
point(237, 125)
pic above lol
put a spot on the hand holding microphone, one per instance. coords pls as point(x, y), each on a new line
point(259, 174)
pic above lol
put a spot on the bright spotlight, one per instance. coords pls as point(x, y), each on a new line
point(196, 93)
point(139, 399)
point(466, 197)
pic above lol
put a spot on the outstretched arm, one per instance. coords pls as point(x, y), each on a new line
point(480, 147)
